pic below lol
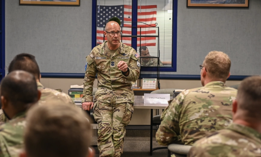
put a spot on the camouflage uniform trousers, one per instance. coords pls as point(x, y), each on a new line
point(112, 120)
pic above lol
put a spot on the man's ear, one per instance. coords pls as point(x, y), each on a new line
point(39, 95)
point(23, 154)
point(234, 107)
point(228, 75)
point(40, 76)
point(204, 73)
point(105, 33)
point(4, 102)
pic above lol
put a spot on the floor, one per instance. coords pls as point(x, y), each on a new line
point(137, 144)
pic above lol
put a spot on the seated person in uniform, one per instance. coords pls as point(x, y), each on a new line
point(144, 52)
point(196, 112)
point(28, 63)
point(18, 93)
point(243, 136)
point(57, 130)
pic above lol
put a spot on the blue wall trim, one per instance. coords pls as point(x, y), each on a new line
point(134, 23)
point(94, 28)
point(162, 76)
point(2, 51)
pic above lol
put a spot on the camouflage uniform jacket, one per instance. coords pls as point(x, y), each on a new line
point(3, 118)
point(111, 81)
point(11, 136)
point(235, 141)
point(196, 112)
point(47, 94)
point(52, 95)
point(151, 62)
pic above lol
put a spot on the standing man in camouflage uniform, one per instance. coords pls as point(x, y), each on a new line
point(196, 112)
point(27, 62)
point(243, 136)
point(18, 93)
point(144, 52)
point(116, 66)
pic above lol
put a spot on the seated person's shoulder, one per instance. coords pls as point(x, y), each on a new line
point(51, 94)
point(180, 97)
point(13, 126)
point(221, 137)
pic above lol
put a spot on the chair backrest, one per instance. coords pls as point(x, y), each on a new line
point(172, 91)
point(179, 150)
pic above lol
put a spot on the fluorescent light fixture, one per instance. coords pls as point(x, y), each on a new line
point(170, 11)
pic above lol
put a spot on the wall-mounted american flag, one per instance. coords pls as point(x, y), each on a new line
point(146, 21)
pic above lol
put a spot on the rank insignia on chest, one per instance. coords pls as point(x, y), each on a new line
point(112, 64)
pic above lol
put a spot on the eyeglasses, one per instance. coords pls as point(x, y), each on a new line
point(201, 66)
point(113, 33)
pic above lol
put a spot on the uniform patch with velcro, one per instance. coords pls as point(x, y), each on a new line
point(100, 57)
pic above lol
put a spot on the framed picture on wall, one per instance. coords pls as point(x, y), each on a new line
point(217, 3)
point(50, 2)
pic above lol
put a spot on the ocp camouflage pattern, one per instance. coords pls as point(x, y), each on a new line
point(111, 81)
point(234, 141)
point(196, 112)
point(50, 95)
point(11, 136)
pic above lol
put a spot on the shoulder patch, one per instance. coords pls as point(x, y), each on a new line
point(137, 55)
point(89, 59)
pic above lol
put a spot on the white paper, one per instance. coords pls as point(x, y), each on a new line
point(76, 86)
point(156, 99)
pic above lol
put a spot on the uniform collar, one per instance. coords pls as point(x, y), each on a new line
point(247, 131)
point(215, 83)
point(120, 50)
point(39, 85)
point(21, 114)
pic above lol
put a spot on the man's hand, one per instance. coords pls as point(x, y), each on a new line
point(87, 105)
point(123, 66)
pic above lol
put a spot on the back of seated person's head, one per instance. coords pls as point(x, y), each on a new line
point(57, 130)
point(26, 62)
point(18, 92)
point(217, 64)
point(249, 98)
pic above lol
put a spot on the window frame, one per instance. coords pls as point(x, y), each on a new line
point(173, 67)
point(2, 40)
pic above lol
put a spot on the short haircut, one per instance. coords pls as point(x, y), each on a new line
point(143, 48)
point(116, 19)
point(218, 64)
point(249, 96)
point(20, 88)
point(26, 62)
point(57, 130)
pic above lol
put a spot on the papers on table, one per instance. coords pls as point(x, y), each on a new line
point(156, 99)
